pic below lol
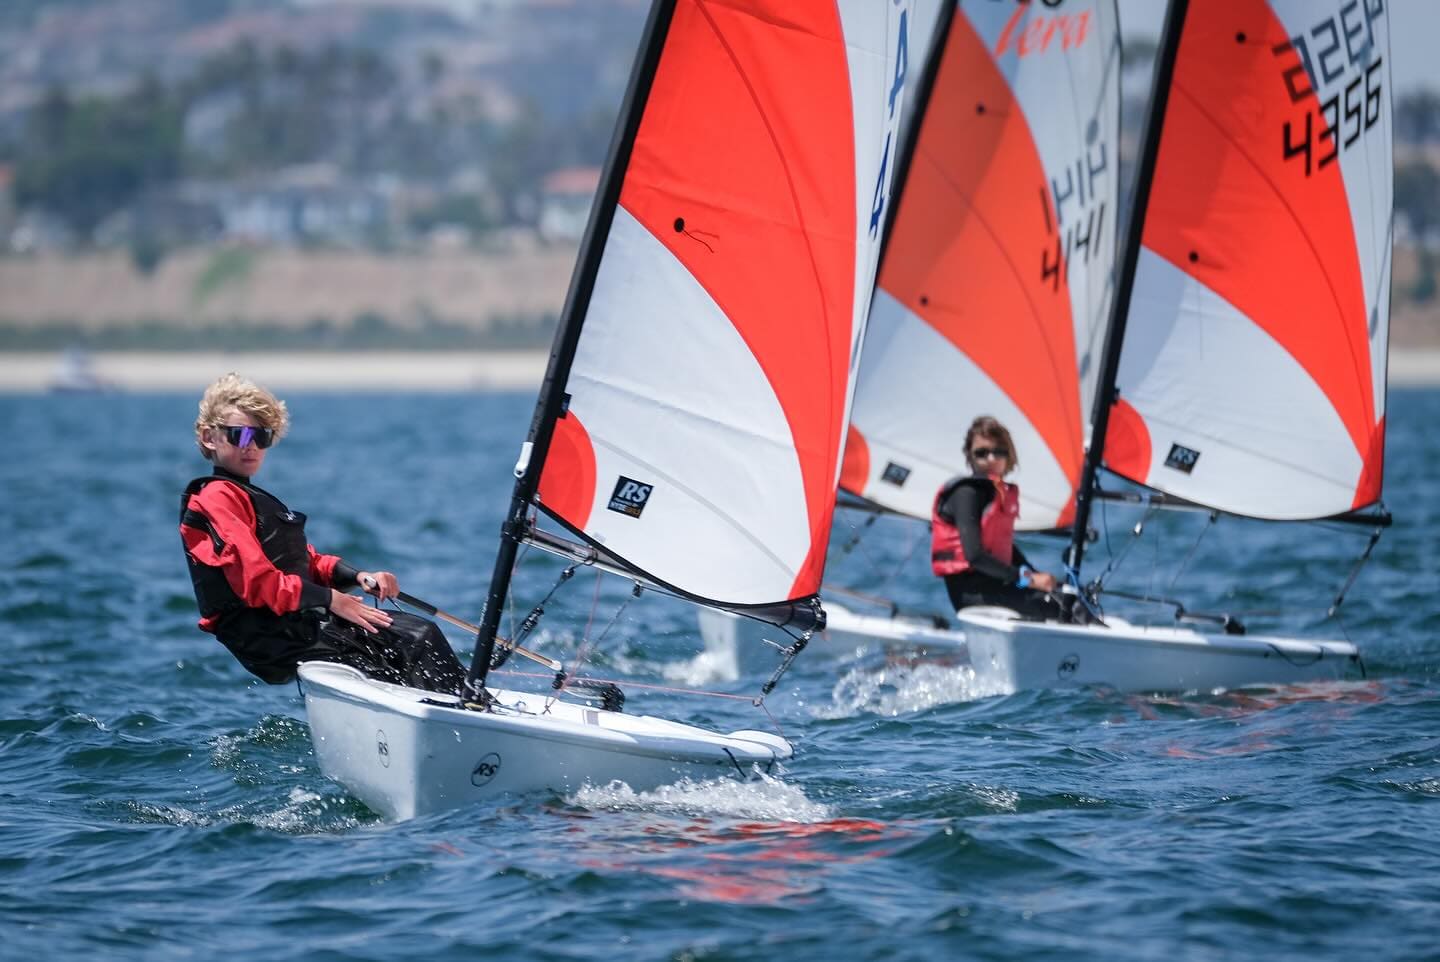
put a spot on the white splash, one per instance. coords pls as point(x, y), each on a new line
point(900, 688)
point(762, 799)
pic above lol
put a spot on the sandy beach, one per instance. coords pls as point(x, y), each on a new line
point(384, 371)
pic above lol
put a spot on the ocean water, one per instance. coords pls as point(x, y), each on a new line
point(158, 803)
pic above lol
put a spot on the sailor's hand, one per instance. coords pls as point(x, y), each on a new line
point(1042, 581)
point(353, 609)
point(381, 584)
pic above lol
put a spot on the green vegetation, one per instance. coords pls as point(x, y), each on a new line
point(247, 112)
point(1417, 193)
point(231, 265)
point(83, 159)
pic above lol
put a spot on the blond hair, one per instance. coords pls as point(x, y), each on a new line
point(241, 394)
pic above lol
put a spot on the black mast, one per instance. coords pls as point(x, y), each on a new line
point(1130, 258)
point(550, 404)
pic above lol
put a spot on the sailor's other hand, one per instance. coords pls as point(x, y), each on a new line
point(353, 609)
point(381, 584)
point(1042, 581)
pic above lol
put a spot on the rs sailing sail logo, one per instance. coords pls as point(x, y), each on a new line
point(630, 496)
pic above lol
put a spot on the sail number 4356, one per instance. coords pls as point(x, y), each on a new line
point(1338, 56)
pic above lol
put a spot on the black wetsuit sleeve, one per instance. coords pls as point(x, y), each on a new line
point(345, 576)
point(963, 507)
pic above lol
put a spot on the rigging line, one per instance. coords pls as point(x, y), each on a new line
point(1190, 555)
point(634, 684)
point(531, 620)
point(905, 561)
point(876, 568)
point(1354, 572)
point(1117, 559)
point(564, 678)
point(774, 722)
point(510, 595)
point(1295, 217)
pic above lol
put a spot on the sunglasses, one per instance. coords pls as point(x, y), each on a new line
point(242, 434)
point(980, 454)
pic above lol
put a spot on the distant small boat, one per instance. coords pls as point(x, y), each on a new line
point(75, 374)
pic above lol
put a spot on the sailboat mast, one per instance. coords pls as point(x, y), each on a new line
point(551, 403)
point(1129, 260)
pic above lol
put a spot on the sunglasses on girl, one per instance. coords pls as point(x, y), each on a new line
point(979, 454)
point(242, 434)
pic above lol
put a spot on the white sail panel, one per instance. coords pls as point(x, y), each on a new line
point(1004, 246)
point(1271, 195)
point(926, 381)
point(717, 455)
point(708, 390)
point(1269, 438)
point(1336, 44)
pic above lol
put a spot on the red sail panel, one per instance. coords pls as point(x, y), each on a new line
point(567, 485)
point(785, 191)
point(1230, 209)
point(965, 253)
point(1127, 441)
point(855, 467)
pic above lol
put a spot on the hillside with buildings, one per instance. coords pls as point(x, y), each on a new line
point(177, 173)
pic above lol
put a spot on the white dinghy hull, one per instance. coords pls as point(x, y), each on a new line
point(847, 634)
point(406, 752)
point(1013, 655)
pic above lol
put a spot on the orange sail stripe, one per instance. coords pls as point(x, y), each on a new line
point(855, 468)
point(965, 251)
point(1127, 442)
point(772, 239)
point(1228, 208)
point(567, 483)
point(1367, 491)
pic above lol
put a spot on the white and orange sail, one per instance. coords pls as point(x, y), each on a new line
point(695, 411)
point(997, 274)
point(1251, 373)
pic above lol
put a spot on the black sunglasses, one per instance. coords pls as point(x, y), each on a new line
point(978, 454)
point(242, 434)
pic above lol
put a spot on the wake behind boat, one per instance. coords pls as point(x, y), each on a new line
point(689, 429)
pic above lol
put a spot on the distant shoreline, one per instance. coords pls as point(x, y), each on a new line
point(164, 371)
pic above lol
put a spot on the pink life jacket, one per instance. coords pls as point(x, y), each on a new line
point(997, 527)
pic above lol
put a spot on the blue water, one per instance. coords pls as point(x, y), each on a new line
point(156, 803)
